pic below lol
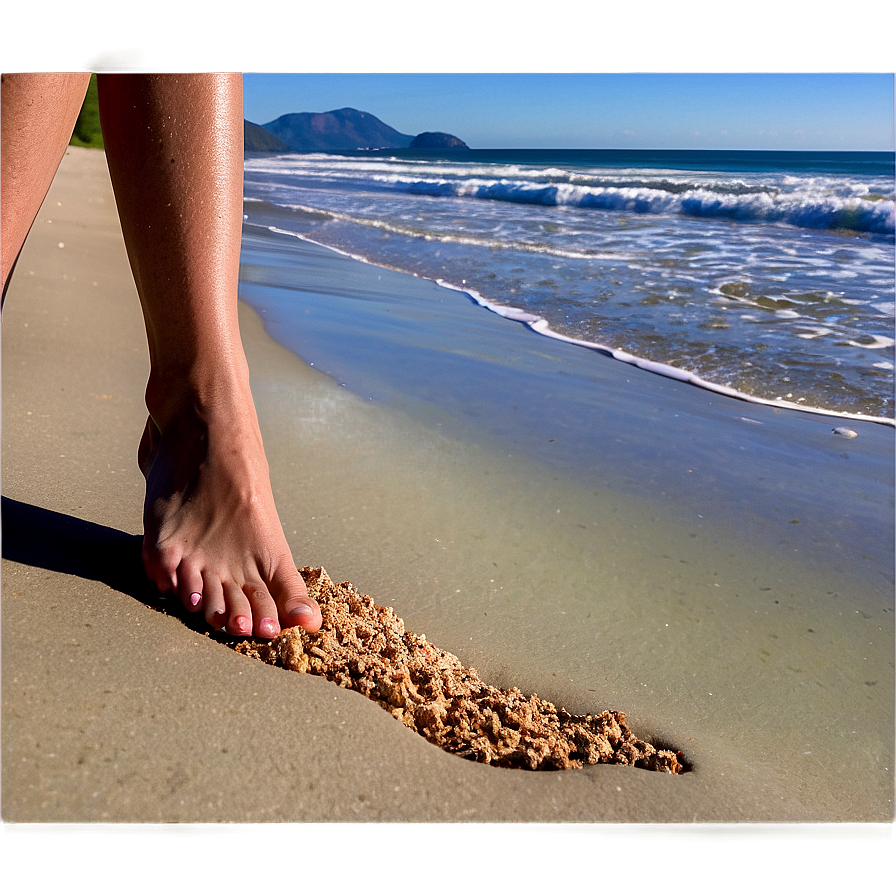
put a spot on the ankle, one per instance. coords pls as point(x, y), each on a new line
point(194, 395)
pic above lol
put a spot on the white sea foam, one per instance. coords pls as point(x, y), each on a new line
point(539, 325)
point(878, 342)
point(810, 202)
point(814, 333)
point(490, 243)
point(642, 255)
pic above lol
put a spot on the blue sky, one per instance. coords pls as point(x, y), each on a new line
point(677, 110)
point(686, 74)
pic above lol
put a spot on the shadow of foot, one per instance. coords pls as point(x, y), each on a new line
point(35, 536)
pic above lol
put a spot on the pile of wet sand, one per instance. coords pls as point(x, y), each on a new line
point(365, 648)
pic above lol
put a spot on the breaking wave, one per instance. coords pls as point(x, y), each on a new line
point(815, 202)
point(811, 211)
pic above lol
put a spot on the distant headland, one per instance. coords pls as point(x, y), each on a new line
point(341, 130)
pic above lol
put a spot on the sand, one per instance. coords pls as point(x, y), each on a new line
point(364, 647)
point(774, 676)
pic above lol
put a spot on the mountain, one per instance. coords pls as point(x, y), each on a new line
point(341, 129)
point(437, 140)
point(257, 139)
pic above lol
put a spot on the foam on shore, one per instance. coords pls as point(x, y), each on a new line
point(541, 326)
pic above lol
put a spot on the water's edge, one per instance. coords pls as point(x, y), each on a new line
point(541, 326)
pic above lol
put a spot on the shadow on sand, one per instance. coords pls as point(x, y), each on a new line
point(35, 536)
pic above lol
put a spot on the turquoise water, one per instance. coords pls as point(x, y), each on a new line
point(767, 273)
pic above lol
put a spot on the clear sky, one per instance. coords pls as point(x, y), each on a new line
point(595, 111)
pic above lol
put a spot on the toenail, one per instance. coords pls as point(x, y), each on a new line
point(242, 623)
point(268, 626)
point(303, 612)
point(195, 597)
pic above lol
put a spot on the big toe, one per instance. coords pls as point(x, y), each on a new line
point(304, 612)
point(294, 605)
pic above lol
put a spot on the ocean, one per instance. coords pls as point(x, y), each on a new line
point(765, 274)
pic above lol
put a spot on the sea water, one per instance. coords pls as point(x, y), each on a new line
point(768, 273)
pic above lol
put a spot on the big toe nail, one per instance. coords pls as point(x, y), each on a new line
point(302, 614)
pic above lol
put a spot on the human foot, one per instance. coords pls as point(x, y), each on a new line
point(211, 531)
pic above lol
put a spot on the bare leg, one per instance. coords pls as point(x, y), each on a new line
point(39, 115)
point(211, 530)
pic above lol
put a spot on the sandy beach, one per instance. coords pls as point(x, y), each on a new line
point(720, 572)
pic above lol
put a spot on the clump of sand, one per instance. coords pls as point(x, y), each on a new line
point(364, 647)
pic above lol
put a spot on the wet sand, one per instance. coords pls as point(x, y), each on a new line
point(772, 668)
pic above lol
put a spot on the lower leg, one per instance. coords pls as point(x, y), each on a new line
point(211, 530)
point(39, 111)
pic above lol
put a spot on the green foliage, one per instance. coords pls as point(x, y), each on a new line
point(87, 129)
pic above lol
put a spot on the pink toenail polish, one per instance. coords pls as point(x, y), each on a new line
point(268, 626)
point(242, 624)
point(195, 597)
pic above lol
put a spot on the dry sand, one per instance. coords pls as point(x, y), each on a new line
point(782, 697)
point(366, 648)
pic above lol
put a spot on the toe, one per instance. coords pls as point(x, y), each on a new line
point(294, 605)
point(264, 610)
point(213, 602)
point(190, 587)
point(237, 610)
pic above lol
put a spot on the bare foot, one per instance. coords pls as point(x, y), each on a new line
point(212, 533)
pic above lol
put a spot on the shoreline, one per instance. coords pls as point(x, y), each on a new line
point(592, 597)
point(541, 326)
